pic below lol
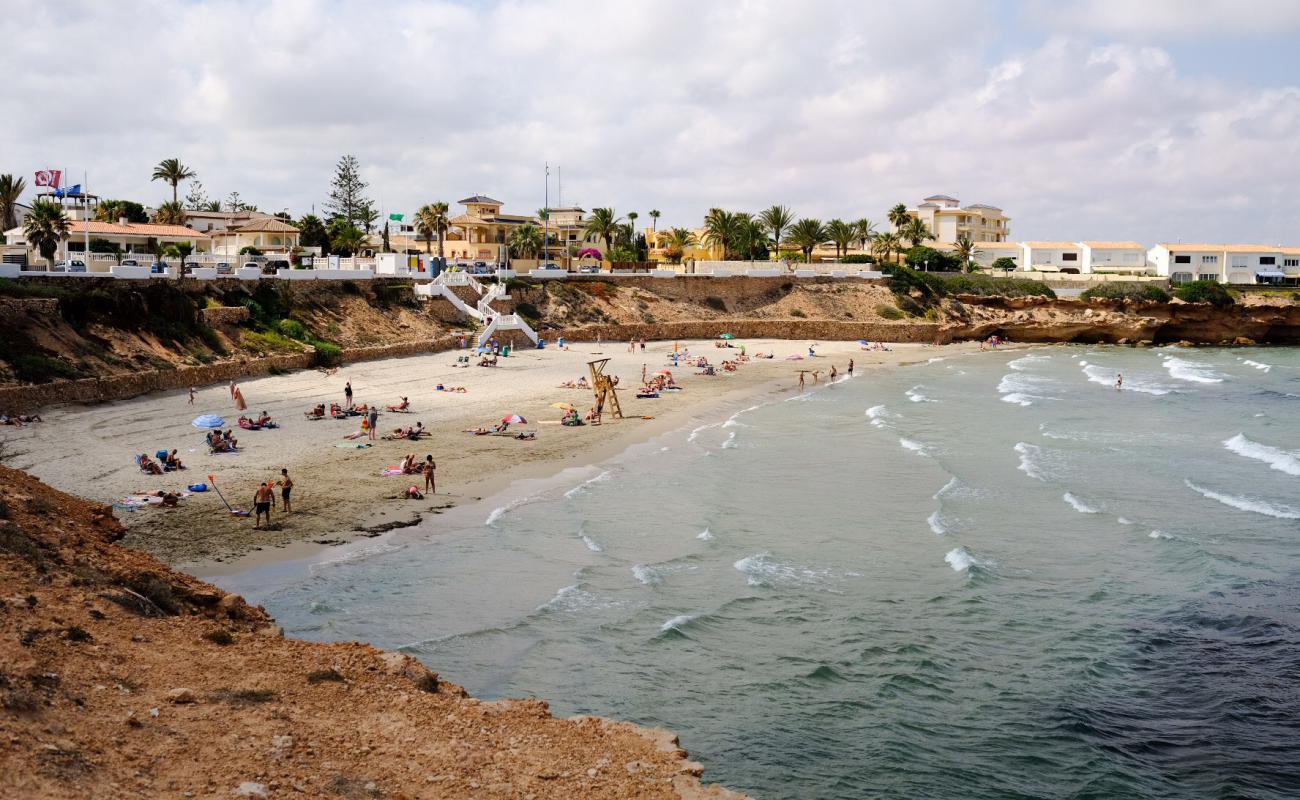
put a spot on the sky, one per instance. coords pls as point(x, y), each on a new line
point(1153, 120)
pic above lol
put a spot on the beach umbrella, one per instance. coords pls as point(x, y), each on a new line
point(563, 406)
point(726, 336)
point(208, 421)
point(665, 372)
point(514, 419)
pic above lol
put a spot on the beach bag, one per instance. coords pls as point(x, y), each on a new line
point(198, 487)
point(161, 455)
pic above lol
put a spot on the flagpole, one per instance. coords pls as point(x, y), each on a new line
point(85, 183)
point(546, 220)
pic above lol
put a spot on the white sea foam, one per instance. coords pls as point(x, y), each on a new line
point(678, 621)
point(1159, 535)
point(936, 359)
point(916, 397)
point(935, 521)
point(730, 442)
point(705, 535)
point(877, 415)
point(1029, 455)
point(1277, 458)
point(1191, 371)
point(961, 560)
point(570, 598)
point(762, 570)
point(590, 543)
point(950, 486)
point(1262, 367)
point(913, 445)
point(1027, 362)
point(1079, 505)
point(701, 429)
point(582, 487)
point(1132, 383)
point(1022, 389)
point(497, 513)
point(647, 575)
point(1124, 521)
point(1252, 504)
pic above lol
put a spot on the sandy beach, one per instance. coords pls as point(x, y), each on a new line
point(341, 493)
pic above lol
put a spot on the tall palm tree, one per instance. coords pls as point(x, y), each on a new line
point(525, 241)
point(631, 222)
point(885, 245)
point(915, 231)
point(776, 219)
point(172, 171)
point(866, 231)
point(898, 216)
point(723, 229)
point(842, 234)
point(806, 234)
point(654, 220)
point(426, 226)
point(965, 249)
point(678, 240)
point(751, 237)
point(11, 189)
point(45, 228)
point(172, 213)
point(603, 224)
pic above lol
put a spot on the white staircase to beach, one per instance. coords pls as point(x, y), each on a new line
point(489, 318)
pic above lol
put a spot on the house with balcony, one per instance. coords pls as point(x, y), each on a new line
point(947, 219)
point(267, 234)
point(1064, 257)
point(1114, 257)
point(138, 239)
point(986, 253)
point(1225, 263)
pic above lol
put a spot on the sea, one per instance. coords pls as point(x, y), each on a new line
point(983, 576)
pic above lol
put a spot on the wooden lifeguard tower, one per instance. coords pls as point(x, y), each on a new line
point(604, 388)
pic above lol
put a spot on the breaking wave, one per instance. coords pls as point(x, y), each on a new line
point(1191, 371)
point(705, 535)
point(935, 521)
point(1276, 458)
point(647, 575)
point(1251, 504)
point(916, 397)
point(1079, 505)
point(1029, 454)
point(961, 560)
point(1132, 383)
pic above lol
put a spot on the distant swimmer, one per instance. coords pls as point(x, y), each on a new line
point(850, 366)
point(834, 373)
point(1119, 381)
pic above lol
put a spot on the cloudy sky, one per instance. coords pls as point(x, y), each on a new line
point(1154, 120)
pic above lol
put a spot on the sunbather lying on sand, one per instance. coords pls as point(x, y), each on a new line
point(316, 413)
point(525, 436)
point(19, 420)
point(148, 465)
point(405, 404)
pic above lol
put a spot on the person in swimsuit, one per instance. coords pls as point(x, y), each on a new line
point(1119, 381)
point(286, 487)
point(262, 505)
point(850, 366)
point(347, 395)
point(428, 469)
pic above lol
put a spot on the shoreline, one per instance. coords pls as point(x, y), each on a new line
point(341, 496)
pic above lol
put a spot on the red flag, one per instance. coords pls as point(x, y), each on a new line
point(49, 177)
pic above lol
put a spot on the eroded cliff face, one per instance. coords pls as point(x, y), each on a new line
point(1033, 319)
point(120, 678)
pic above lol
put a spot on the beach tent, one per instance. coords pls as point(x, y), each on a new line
point(563, 406)
point(726, 336)
point(513, 419)
point(208, 421)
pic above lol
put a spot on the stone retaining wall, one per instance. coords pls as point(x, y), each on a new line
point(809, 329)
point(225, 315)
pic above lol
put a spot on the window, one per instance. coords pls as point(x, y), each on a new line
point(1267, 261)
point(1238, 261)
point(1291, 262)
point(1182, 259)
point(1132, 258)
point(1209, 276)
point(1069, 256)
point(1209, 259)
point(1181, 277)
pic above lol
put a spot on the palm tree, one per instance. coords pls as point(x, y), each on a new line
point(885, 245)
point(898, 216)
point(631, 222)
point(11, 189)
point(965, 249)
point(46, 226)
point(866, 231)
point(525, 241)
point(654, 220)
point(751, 237)
point(723, 229)
point(805, 235)
point(170, 214)
point(602, 224)
point(346, 239)
point(179, 250)
point(172, 171)
point(678, 240)
point(776, 219)
point(915, 231)
point(842, 234)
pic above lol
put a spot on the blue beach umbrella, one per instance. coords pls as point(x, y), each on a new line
point(208, 421)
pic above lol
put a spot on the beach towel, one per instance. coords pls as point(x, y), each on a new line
point(391, 470)
point(352, 445)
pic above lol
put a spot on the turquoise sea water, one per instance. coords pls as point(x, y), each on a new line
point(991, 576)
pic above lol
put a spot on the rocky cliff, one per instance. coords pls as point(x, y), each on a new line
point(120, 678)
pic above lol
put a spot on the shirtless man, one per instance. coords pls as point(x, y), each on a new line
point(428, 468)
point(262, 505)
point(850, 366)
point(286, 487)
point(1119, 381)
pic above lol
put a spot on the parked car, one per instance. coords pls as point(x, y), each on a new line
point(550, 266)
point(271, 266)
point(224, 268)
point(73, 265)
point(129, 262)
point(589, 269)
point(250, 265)
point(158, 268)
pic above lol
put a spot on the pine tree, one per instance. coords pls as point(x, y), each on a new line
point(347, 195)
point(197, 198)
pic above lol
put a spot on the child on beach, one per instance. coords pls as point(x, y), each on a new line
point(191, 395)
point(286, 487)
point(428, 468)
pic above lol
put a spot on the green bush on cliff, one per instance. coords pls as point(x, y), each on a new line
point(888, 312)
point(42, 369)
point(986, 286)
point(1128, 290)
point(327, 353)
point(1211, 292)
point(293, 329)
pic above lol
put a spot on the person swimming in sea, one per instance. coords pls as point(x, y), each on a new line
point(1119, 381)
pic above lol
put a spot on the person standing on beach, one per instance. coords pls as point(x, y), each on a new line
point(347, 395)
point(239, 400)
point(428, 470)
point(1119, 381)
point(850, 366)
point(374, 418)
point(286, 487)
point(643, 345)
point(834, 374)
point(801, 383)
point(262, 505)
point(191, 395)
point(232, 388)
point(643, 370)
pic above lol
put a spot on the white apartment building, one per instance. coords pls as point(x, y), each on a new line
point(1226, 263)
point(947, 218)
point(986, 253)
point(1121, 257)
point(1053, 257)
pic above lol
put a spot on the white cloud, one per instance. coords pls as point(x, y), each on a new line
point(1160, 20)
point(831, 107)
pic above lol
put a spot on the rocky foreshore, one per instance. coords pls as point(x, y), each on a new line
point(120, 678)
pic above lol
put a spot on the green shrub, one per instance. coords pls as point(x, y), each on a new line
point(1211, 292)
point(528, 311)
point(327, 353)
point(1004, 264)
point(932, 260)
point(42, 369)
point(293, 329)
point(12, 287)
point(797, 312)
point(211, 339)
point(888, 312)
point(986, 286)
point(518, 283)
point(269, 342)
point(1126, 291)
point(220, 636)
point(859, 258)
